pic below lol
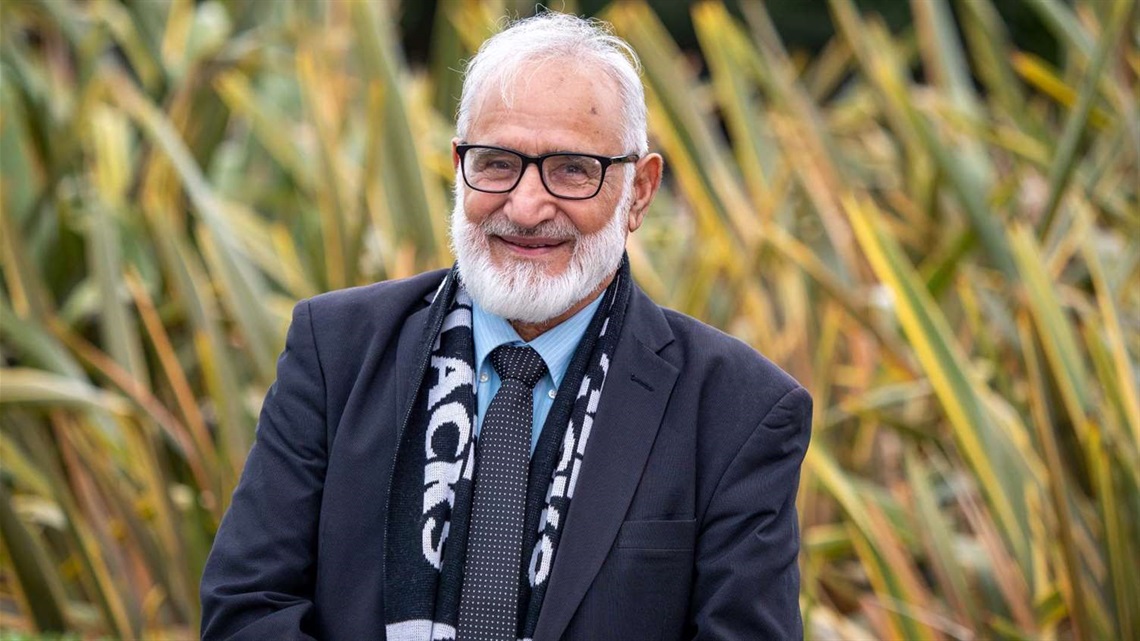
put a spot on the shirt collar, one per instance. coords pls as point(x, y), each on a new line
point(556, 345)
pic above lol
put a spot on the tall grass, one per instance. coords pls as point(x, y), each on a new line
point(934, 231)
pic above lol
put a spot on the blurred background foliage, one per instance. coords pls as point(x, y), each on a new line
point(925, 211)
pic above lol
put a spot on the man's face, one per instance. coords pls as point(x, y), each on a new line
point(528, 255)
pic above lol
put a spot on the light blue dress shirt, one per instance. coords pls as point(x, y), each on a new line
point(556, 346)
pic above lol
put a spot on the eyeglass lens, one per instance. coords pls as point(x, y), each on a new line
point(565, 175)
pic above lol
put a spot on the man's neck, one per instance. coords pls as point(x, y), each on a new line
point(531, 331)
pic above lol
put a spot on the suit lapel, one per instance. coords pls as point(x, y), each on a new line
point(636, 392)
point(409, 354)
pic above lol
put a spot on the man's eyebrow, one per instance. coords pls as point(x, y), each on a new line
point(570, 151)
point(548, 150)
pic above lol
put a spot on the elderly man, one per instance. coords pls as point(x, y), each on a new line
point(524, 446)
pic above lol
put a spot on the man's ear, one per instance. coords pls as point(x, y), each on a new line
point(646, 182)
point(454, 153)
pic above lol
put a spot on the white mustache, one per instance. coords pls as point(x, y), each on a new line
point(555, 230)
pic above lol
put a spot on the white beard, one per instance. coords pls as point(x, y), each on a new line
point(522, 290)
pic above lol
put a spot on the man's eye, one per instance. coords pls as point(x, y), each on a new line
point(495, 163)
point(578, 168)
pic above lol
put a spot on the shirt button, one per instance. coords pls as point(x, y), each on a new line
point(484, 377)
point(552, 393)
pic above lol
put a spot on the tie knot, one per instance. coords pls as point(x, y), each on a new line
point(520, 364)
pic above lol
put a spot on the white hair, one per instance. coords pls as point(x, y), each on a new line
point(560, 39)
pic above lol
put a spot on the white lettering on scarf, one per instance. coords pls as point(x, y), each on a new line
point(443, 469)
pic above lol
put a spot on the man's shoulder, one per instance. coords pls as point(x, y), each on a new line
point(349, 322)
point(733, 389)
point(711, 351)
point(388, 297)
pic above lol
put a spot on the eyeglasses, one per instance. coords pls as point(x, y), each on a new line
point(571, 176)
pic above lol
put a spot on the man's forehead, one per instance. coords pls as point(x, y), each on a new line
point(508, 88)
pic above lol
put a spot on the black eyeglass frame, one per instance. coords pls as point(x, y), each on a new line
point(604, 161)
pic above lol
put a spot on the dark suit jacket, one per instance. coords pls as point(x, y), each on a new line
point(683, 524)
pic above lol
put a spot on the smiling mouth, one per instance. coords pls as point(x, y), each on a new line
point(531, 244)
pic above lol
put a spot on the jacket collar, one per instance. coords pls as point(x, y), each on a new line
point(411, 348)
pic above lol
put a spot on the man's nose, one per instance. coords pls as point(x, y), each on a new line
point(530, 203)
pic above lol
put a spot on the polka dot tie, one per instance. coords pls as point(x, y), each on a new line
point(488, 603)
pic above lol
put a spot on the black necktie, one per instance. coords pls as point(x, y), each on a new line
point(488, 603)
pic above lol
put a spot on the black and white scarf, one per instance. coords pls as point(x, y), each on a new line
point(429, 500)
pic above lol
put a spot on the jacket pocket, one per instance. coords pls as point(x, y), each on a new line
point(658, 535)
